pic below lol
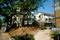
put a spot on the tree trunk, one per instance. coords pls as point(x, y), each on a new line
point(21, 20)
point(8, 21)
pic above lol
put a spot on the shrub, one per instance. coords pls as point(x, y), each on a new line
point(54, 33)
point(24, 37)
point(43, 27)
point(35, 23)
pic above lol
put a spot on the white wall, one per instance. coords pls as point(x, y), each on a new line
point(43, 18)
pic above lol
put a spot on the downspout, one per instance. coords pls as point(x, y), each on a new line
point(54, 12)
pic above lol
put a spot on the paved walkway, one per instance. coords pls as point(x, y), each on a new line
point(4, 36)
point(42, 35)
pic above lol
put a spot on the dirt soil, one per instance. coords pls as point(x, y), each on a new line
point(23, 30)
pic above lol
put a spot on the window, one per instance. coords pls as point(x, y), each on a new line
point(46, 19)
point(50, 19)
point(30, 22)
point(57, 2)
point(39, 16)
point(25, 22)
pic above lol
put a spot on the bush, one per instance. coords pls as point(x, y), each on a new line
point(24, 37)
point(43, 27)
point(35, 23)
point(4, 25)
point(54, 33)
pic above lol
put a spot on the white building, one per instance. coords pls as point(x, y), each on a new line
point(44, 18)
point(28, 19)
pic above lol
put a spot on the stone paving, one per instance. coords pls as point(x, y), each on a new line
point(43, 35)
point(40, 35)
point(4, 36)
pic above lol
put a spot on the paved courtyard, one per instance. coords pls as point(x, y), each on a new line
point(4, 36)
point(43, 35)
point(39, 35)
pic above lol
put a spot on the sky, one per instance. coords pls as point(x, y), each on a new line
point(48, 7)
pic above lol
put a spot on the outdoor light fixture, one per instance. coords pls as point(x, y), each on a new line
point(18, 9)
point(32, 12)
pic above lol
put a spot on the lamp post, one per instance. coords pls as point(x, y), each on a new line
point(32, 12)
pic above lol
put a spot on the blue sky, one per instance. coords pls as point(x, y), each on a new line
point(48, 7)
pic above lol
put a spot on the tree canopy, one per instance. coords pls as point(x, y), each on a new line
point(0, 22)
point(9, 7)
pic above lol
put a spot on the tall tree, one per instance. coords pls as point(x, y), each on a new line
point(7, 11)
point(25, 6)
point(0, 23)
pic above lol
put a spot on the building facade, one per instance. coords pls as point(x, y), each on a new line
point(57, 12)
point(27, 20)
point(44, 19)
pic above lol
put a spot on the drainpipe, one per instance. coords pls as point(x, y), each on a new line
point(54, 11)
